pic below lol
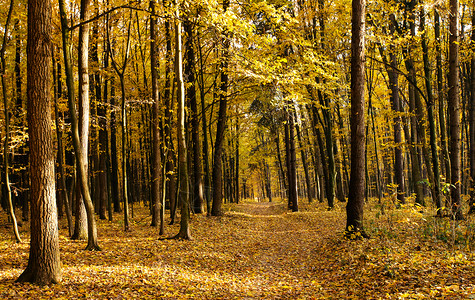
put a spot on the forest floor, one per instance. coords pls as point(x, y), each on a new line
point(260, 251)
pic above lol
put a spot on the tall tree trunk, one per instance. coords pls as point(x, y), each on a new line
point(354, 208)
point(198, 197)
point(431, 117)
point(394, 85)
point(183, 189)
point(303, 156)
point(80, 229)
point(91, 226)
point(167, 122)
point(101, 186)
point(120, 70)
point(156, 155)
point(454, 111)
point(291, 159)
point(59, 136)
point(6, 152)
point(204, 126)
point(471, 115)
point(44, 263)
point(440, 95)
point(216, 209)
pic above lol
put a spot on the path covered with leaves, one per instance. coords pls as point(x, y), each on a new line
point(256, 251)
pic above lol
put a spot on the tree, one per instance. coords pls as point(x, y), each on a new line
point(157, 205)
point(217, 177)
point(44, 262)
point(183, 186)
point(454, 111)
point(6, 152)
point(354, 208)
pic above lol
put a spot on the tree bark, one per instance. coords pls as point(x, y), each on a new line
point(431, 117)
point(44, 262)
point(454, 111)
point(354, 208)
point(183, 189)
point(6, 151)
point(217, 177)
point(156, 156)
point(394, 85)
point(198, 197)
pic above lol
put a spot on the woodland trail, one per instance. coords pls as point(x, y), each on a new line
point(254, 251)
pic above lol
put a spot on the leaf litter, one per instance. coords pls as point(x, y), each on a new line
point(255, 251)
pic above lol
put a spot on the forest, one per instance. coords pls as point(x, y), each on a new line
point(252, 149)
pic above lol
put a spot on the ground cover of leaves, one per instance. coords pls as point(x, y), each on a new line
point(258, 251)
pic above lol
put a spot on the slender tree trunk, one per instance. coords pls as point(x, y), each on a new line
point(81, 226)
point(394, 85)
point(198, 197)
point(471, 116)
point(204, 126)
point(454, 111)
point(156, 155)
point(167, 122)
point(217, 180)
point(59, 135)
point(293, 183)
point(6, 151)
point(92, 234)
point(354, 208)
point(183, 189)
point(44, 262)
point(431, 117)
point(441, 98)
point(303, 156)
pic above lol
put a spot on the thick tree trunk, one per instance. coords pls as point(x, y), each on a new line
point(44, 262)
point(354, 208)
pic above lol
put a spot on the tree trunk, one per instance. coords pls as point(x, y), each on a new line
point(354, 208)
point(198, 197)
point(216, 209)
point(183, 189)
point(394, 85)
point(454, 111)
point(44, 263)
point(471, 116)
point(303, 156)
point(156, 156)
point(59, 136)
point(293, 183)
point(431, 117)
point(441, 98)
point(6, 152)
